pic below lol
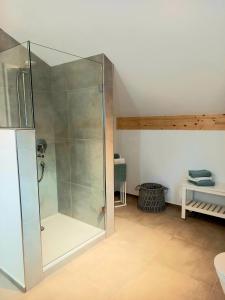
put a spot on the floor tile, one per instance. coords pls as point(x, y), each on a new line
point(149, 257)
point(159, 282)
point(189, 259)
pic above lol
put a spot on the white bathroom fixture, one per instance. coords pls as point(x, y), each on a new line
point(206, 208)
point(219, 263)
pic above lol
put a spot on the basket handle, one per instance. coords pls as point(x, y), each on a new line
point(165, 188)
point(138, 187)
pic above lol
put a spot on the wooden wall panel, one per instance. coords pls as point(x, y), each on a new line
point(179, 122)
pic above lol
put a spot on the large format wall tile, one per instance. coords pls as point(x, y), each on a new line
point(41, 76)
point(63, 160)
point(60, 109)
point(87, 204)
point(64, 197)
point(63, 163)
point(82, 73)
point(85, 113)
point(58, 82)
point(87, 163)
point(44, 114)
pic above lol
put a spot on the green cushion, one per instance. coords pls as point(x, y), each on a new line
point(199, 173)
point(120, 171)
point(203, 182)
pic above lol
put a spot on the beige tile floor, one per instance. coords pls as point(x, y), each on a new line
point(150, 257)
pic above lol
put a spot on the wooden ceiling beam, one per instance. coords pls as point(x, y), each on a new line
point(179, 122)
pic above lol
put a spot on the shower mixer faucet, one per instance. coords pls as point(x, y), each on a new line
point(41, 146)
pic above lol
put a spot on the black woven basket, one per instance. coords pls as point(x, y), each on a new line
point(151, 197)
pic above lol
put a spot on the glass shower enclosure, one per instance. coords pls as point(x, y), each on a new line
point(54, 102)
point(68, 114)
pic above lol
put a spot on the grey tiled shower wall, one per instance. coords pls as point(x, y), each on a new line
point(77, 93)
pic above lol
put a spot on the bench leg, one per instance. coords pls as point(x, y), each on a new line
point(125, 192)
point(183, 210)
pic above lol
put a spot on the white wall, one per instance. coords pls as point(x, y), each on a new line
point(11, 250)
point(27, 167)
point(165, 156)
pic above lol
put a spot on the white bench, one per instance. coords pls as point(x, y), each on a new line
point(207, 208)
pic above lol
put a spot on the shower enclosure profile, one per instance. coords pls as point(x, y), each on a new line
point(56, 157)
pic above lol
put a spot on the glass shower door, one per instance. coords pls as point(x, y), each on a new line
point(66, 148)
point(68, 113)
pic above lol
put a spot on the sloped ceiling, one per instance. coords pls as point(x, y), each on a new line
point(169, 56)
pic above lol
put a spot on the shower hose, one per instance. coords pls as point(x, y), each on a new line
point(42, 164)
